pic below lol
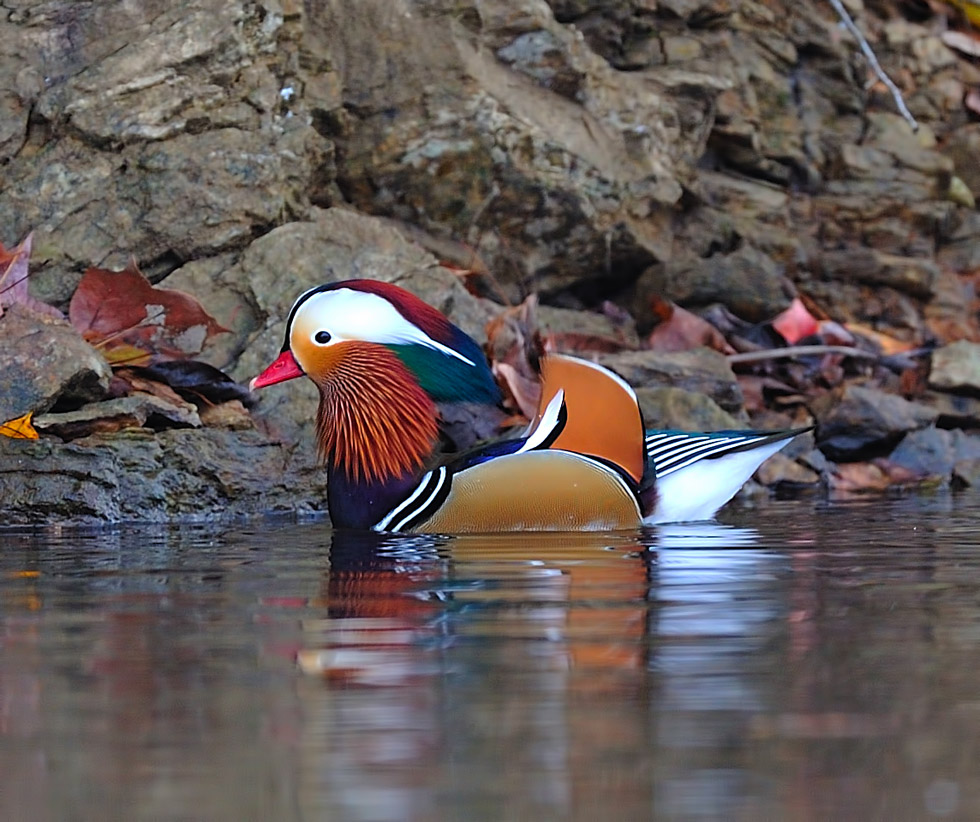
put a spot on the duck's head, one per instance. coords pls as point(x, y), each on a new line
point(381, 358)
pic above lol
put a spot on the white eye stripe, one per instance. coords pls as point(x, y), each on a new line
point(358, 315)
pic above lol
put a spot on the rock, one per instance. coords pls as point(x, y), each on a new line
point(464, 425)
point(581, 150)
point(134, 411)
point(747, 281)
point(700, 370)
point(159, 134)
point(675, 408)
point(177, 474)
point(558, 166)
point(251, 294)
point(44, 360)
point(949, 315)
point(953, 409)
point(890, 134)
point(231, 415)
point(956, 367)
point(928, 451)
point(966, 473)
point(861, 421)
point(598, 331)
point(780, 469)
point(913, 276)
point(962, 147)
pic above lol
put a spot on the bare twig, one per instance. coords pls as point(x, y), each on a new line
point(802, 351)
point(851, 26)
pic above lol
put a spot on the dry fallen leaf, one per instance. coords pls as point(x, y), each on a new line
point(13, 279)
point(888, 345)
point(972, 101)
point(680, 330)
point(962, 42)
point(121, 311)
point(525, 391)
point(970, 9)
point(198, 382)
point(877, 475)
point(515, 349)
point(20, 428)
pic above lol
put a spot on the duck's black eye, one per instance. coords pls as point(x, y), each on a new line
point(322, 337)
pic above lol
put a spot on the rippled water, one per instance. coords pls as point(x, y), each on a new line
point(807, 660)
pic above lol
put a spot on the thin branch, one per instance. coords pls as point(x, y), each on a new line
point(802, 351)
point(14, 284)
point(851, 26)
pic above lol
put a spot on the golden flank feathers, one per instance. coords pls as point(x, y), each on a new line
point(536, 491)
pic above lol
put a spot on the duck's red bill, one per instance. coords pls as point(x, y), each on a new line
point(284, 368)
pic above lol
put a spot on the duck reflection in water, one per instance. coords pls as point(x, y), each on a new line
point(383, 590)
point(556, 640)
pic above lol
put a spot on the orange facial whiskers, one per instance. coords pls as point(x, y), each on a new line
point(374, 421)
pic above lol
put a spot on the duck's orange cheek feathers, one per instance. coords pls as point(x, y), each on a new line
point(284, 368)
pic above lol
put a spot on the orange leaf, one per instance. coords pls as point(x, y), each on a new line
point(121, 309)
point(20, 428)
point(887, 344)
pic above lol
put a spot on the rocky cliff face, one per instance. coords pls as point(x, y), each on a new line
point(703, 151)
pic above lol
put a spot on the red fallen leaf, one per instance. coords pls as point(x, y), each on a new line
point(680, 330)
point(13, 279)
point(116, 309)
point(796, 322)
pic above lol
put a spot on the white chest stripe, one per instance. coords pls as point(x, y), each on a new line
point(546, 426)
point(427, 490)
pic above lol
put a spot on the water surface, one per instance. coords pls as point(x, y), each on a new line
point(803, 660)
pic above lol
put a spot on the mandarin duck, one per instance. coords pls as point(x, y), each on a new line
point(382, 358)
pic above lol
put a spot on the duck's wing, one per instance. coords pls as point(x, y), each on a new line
point(521, 485)
point(536, 490)
point(602, 416)
point(697, 473)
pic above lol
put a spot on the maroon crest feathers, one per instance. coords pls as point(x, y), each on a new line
point(432, 321)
